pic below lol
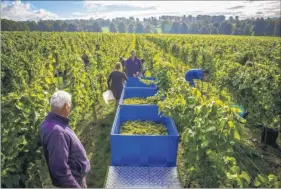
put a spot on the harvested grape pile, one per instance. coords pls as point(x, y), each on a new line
point(147, 81)
point(137, 101)
point(143, 128)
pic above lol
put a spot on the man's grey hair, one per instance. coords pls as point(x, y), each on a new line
point(59, 99)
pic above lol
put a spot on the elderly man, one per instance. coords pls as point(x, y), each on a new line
point(133, 65)
point(64, 153)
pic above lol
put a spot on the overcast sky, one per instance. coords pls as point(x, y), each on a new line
point(43, 10)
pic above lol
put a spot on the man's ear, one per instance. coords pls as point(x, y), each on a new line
point(64, 106)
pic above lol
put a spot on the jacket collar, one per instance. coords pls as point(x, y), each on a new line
point(58, 118)
point(136, 58)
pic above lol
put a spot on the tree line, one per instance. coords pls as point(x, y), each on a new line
point(201, 24)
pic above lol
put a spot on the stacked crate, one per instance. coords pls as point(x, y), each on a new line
point(142, 152)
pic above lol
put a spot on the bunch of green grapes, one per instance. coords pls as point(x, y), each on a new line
point(142, 128)
point(146, 81)
point(136, 101)
point(148, 100)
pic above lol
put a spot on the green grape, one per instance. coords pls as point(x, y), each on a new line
point(139, 101)
point(142, 128)
point(146, 81)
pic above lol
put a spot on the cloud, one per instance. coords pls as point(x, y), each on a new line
point(115, 6)
point(19, 11)
point(259, 12)
point(236, 7)
point(112, 9)
point(141, 9)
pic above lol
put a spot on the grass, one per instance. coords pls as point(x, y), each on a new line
point(159, 30)
point(96, 140)
point(105, 29)
point(258, 157)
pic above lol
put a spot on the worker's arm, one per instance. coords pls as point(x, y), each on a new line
point(58, 151)
point(191, 83)
point(139, 69)
point(127, 66)
point(200, 75)
point(125, 77)
point(108, 81)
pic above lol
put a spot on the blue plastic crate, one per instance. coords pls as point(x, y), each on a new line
point(143, 150)
point(137, 92)
point(242, 109)
point(135, 82)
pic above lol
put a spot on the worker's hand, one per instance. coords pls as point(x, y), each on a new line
point(137, 73)
point(134, 75)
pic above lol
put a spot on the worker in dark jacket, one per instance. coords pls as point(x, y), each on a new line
point(65, 155)
point(115, 81)
point(195, 74)
point(132, 65)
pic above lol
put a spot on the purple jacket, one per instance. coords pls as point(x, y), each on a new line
point(132, 67)
point(65, 155)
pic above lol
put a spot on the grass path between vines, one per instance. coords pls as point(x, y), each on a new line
point(96, 139)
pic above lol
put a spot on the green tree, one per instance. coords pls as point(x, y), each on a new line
point(97, 27)
point(72, 28)
point(176, 28)
point(277, 28)
point(194, 28)
point(131, 28)
point(44, 26)
point(113, 28)
point(57, 26)
point(8, 25)
point(23, 26)
point(154, 21)
point(139, 28)
point(247, 29)
point(64, 26)
point(225, 28)
point(32, 25)
point(204, 30)
point(165, 26)
point(148, 29)
point(270, 26)
point(259, 27)
point(184, 28)
point(214, 30)
point(122, 28)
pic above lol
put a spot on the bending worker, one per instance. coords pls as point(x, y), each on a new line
point(195, 74)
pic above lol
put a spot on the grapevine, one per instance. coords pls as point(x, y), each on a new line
point(35, 65)
point(191, 110)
